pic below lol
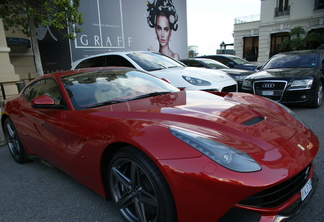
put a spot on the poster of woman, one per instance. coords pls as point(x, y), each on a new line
point(162, 17)
point(137, 25)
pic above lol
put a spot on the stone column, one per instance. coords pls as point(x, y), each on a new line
point(8, 76)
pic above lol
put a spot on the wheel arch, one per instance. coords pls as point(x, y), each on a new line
point(108, 157)
point(3, 119)
point(107, 154)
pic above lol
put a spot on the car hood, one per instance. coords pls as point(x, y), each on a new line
point(238, 71)
point(284, 73)
point(217, 78)
point(247, 66)
point(252, 124)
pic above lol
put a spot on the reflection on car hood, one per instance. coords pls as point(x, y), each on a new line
point(247, 66)
point(241, 120)
point(238, 71)
point(202, 73)
point(285, 73)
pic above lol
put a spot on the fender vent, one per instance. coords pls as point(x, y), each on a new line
point(253, 121)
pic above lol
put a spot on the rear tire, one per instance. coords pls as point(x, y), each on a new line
point(14, 144)
point(138, 188)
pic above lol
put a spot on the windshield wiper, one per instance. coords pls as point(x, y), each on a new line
point(107, 103)
point(154, 69)
point(150, 95)
point(110, 102)
point(161, 66)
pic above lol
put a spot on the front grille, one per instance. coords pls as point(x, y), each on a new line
point(279, 194)
point(271, 89)
point(231, 88)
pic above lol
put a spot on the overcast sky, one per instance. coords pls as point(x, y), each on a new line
point(211, 22)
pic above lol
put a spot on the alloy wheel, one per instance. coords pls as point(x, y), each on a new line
point(133, 191)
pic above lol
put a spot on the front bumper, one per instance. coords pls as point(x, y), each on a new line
point(249, 215)
point(287, 97)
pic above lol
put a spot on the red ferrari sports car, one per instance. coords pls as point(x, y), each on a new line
point(162, 154)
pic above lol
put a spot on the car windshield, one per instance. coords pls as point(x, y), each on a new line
point(238, 60)
point(292, 61)
point(215, 65)
point(153, 61)
point(104, 87)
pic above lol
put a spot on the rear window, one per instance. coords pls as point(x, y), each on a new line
point(92, 62)
point(102, 61)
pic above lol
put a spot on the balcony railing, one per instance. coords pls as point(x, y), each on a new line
point(279, 11)
point(245, 19)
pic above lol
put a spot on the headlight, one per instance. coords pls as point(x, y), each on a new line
point(247, 83)
point(301, 84)
point(222, 154)
point(239, 77)
point(196, 81)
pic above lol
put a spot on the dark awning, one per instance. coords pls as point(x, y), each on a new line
point(11, 41)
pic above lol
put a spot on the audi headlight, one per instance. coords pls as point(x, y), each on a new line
point(301, 84)
point(222, 154)
point(239, 77)
point(196, 81)
point(247, 83)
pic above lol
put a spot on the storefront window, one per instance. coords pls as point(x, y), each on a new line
point(276, 40)
point(251, 48)
point(319, 4)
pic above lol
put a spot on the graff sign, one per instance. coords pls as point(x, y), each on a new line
point(117, 25)
point(104, 28)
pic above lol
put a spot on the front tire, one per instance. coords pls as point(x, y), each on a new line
point(318, 97)
point(138, 188)
point(15, 146)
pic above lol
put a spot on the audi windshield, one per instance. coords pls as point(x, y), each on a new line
point(292, 61)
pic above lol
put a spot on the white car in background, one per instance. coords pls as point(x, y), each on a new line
point(164, 67)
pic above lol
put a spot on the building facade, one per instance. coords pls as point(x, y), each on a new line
point(109, 26)
point(258, 39)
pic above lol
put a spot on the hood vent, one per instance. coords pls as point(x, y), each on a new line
point(253, 121)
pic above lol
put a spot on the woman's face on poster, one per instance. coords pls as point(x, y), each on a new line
point(162, 29)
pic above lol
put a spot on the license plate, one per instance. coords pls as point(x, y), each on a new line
point(267, 93)
point(306, 190)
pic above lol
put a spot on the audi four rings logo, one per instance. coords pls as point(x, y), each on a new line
point(268, 85)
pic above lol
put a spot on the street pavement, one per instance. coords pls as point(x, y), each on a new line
point(35, 192)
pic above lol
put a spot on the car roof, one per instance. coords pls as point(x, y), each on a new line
point(59, 74)
point(304, 51)
point(202, 59)
point(217, 55)
point(198, 58)
point(77, 62)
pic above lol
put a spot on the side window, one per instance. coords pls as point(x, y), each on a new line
point(186, 62)
point(223, 60)
point(31, 91)
point(93, 62)
point(44, 87)
point(195, 63)
point(116, 60)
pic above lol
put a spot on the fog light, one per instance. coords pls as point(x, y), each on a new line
point(303, 97)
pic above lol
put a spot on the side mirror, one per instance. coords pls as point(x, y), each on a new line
point(44, 102)
point(231, 64)
point(258, 68)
